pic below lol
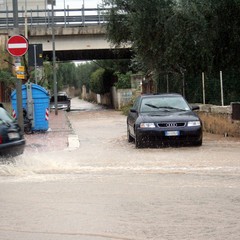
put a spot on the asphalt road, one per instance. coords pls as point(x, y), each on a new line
point(107, 189)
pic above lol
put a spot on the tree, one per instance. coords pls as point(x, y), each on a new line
point(66, 75)
point(124, 80)
point(181, 38)
point(143, 22)
point(96, 82)
point(7, 78)
point(84, 71)
point(101, 81)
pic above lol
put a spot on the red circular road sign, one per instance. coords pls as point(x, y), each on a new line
point(17, 45)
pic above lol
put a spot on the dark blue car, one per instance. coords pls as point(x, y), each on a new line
point(163, 119)
point(12, 142)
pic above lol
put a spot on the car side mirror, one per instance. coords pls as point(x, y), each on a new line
point(133, 110)
point(195, 107)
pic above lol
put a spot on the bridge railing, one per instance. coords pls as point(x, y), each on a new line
point(64, 17)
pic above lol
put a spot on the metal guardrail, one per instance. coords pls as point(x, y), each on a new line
point(62, 17)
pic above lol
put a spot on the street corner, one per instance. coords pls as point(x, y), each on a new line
point(46, 141)
point(56, 138)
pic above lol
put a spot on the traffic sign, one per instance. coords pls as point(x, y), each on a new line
point(20, 72)
point(17, 45)
point(20, 76)
point(20, 68)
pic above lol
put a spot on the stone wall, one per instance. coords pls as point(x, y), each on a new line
point(218, 120)
point(121, 97)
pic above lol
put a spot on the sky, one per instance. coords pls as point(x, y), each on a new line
point(78, 3)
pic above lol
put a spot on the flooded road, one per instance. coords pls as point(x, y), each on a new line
point(107, 189)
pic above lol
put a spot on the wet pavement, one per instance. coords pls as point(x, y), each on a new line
point(108, 189)
point(60, 135)
point(56, 138)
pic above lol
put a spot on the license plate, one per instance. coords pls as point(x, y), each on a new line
point(172, 133)
point(13, 135)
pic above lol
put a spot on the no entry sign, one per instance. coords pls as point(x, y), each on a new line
point(17, 45)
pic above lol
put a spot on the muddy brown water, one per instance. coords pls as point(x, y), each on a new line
point(107, 189)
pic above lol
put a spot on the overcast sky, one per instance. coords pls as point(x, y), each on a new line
point(78, 3)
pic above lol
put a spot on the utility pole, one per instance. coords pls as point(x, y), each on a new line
point(17, 64)
point(54, 61)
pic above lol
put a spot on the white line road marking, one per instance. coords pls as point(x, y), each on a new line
point(73, 141)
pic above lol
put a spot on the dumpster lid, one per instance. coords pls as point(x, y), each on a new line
point(34, 86)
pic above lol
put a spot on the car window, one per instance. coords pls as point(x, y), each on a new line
point(153, 104)
point(136, 103)
point(62, 98)
point(59, 98)
point(178, 102)
point(5, 116)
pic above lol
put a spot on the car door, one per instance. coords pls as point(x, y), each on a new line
point(133, 115)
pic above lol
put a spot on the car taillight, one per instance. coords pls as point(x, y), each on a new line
point(1, 139)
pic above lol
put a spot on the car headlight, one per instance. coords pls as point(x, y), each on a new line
point(194, 124)
point(147, 125)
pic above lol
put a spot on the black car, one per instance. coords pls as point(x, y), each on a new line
point(63, 102)
point(165, 119)
point(12, 142)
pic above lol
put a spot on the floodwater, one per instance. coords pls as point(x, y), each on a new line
point(107, 189)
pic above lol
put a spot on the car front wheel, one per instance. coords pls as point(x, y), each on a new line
point(130, 138)
point(197, 143)
point(138, 142)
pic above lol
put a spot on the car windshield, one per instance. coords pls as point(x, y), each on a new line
point(5, 116)
point(169, 103)
point(59, 98)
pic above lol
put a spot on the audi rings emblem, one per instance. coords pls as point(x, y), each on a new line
point(171, 124)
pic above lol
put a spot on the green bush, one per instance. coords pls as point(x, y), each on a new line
point(101, 81)
point(124, 80)
point(125, 109)
point(96, 82)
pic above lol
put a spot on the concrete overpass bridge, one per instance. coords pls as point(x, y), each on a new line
point(77, 43)
point(79, 34)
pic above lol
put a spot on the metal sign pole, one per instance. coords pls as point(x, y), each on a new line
point(35, 62)
point(203, 87)
point(18, 63)
point(221, 83)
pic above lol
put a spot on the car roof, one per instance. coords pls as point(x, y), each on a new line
point(161, 95)
point(62, 93)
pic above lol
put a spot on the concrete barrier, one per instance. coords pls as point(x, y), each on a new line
point(218, 120)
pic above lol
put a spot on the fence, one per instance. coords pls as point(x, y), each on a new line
point(220, 88)
point(64, 17)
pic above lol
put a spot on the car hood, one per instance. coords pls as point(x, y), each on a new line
point(164, 116)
